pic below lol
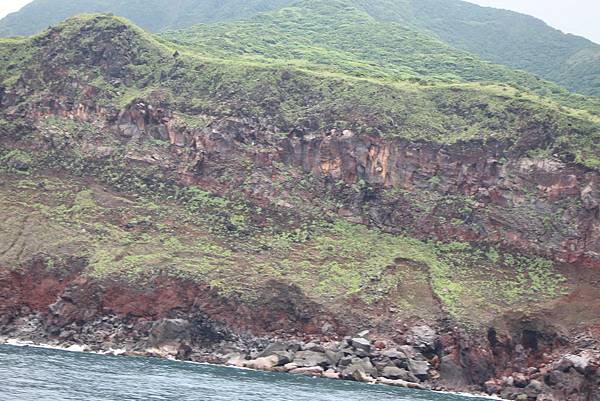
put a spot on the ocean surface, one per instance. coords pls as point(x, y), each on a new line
point(40, 374)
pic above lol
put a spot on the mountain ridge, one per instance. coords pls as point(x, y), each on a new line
point(500, 36)
point(347, 98)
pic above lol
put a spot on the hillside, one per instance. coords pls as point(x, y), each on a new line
point(499, 36)
point(262, 192)
point(516, 40)
point(314, 35)
point(154, 15)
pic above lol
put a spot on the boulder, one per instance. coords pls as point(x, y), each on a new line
point(410, 352)
point(363, 334)
point(237, 360)
point(263, 363)
point(280, 350)
point(314, 347)
point(360, 375)
point(453, 373)
point(184, 352)
point(534, 387)
point(309, 371)
point(305, 359)
point(331, 374)
point(362, 344)
point(345, 361)
point(334, 356)
point(493, 386)
point(394, 354)
point(580, 363)
point(274, 348)
point(360, 370)
point(169, 331)
point(419, 368)
point(394, 373)
point(520, 380)
point(289, 366)
point(381, 362)
point(400, 383)
point(565, 382)
point(423, 338)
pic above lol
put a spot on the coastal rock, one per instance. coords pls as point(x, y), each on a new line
point(280, 350)
point(331, 374)
point(169, 331)
point(311, 358)
point(313, 347)
point(423, 338)
point(419, 368)
point(400, 383)
point(520, 380)
point(334, 356)
point(361, 344)
point(392, 372)
point(264, 363)
point(454, 375)
point(360, 369)
point(578, 362)
point(308, 371)
point(274, 348)
point(394, 354)
point(237, 360)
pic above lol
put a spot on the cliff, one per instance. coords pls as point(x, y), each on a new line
point(143, 188)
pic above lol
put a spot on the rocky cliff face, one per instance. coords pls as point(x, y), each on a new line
point(490, 192)
point(466, 192)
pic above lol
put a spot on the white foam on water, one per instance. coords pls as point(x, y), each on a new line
point(72, 348)
point(75, 348)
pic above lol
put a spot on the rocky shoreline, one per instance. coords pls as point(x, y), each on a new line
point(356, 359)
point(419, 363)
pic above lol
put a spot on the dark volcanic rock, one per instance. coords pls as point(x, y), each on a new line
point(359, 369)
point(392, 372)
point(361, 344)
point(311, 358)
point(169, 331)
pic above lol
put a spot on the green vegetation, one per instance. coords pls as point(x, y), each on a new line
point(515, 40)
point(153, 15)
point(306, 69)
point(299, 95)
point(499, 36)
point(15, 160)
point(137, 238)
point(314, 35)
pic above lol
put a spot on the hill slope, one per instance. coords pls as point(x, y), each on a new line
point(516, 40)
point(500, 36)
point(154, 15)
point(315, 35)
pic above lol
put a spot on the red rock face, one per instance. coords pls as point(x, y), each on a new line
point(540, 205)
point(544, 206)
point(70, 297)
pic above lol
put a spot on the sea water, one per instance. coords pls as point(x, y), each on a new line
point(28, 373)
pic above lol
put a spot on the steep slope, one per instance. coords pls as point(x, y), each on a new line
point(146, 185)
point(499, 36)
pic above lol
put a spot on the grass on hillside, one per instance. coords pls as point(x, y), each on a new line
point(284, 94)
point(140, 234)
